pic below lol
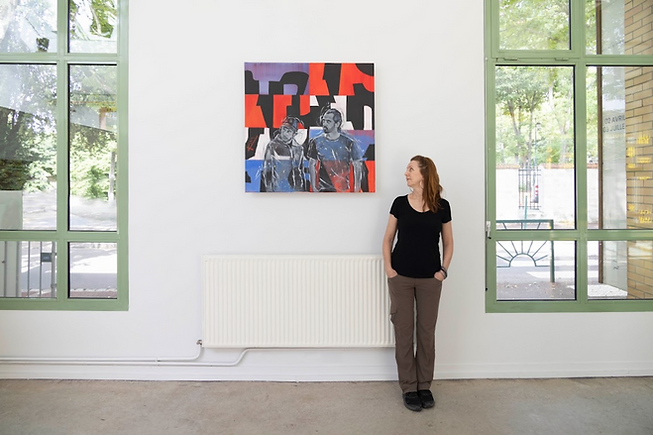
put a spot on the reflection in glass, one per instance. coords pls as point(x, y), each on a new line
point(620, 269)
point(93, 270)
point(620, 151)
point(535, 145)
point(536, 270)
point(93, 147)
point(93, 26)
point(619, 27)
point(28, 158)
point(28, 26)
point(527, 25)
point(27, 269)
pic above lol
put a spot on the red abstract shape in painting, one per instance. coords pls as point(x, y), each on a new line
point(253, 113)
point(316, 83)
point(371, 176)
point(351, 75)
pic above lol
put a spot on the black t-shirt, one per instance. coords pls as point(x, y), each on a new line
point(417, 253)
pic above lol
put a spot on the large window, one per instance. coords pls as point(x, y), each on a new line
point(569, 155)
point(63, 161)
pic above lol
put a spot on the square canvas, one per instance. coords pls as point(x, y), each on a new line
point(309, 127)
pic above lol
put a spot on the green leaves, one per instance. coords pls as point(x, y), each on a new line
point(102, 15)
point(534, 106)
point(534, 24)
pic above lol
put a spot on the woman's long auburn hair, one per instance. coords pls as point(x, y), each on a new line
point(432, 190)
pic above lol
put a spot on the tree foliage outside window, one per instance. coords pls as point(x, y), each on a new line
point(27, 125)
point(532, 97)
point(524, 26)
point(102, 15)
point(534, 114)
point(27, 122)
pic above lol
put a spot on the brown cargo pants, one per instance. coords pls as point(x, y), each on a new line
point(414, 304)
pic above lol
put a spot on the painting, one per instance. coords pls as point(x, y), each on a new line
point(309, 127)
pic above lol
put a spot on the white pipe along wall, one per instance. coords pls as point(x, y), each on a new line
point(187, 199)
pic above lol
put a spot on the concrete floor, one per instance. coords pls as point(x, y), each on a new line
point(610, 406)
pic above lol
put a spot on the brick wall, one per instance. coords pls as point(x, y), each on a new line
point(639, 145)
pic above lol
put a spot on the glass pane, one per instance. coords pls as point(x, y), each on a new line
point(93, 26)
point(536, 270)
point(619, 27)
point(535, 145)
point(620, 270)
point(28, 269)
point(93, 147)
point(93, 270)
point(28, 26)
point(534, 25)
point(28, 157)
point(620, 146)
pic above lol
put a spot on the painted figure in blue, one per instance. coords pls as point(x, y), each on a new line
point(334, 157)
point(283, 161)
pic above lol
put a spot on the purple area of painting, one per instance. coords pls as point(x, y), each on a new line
point(264, 73)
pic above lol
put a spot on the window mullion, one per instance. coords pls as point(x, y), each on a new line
point(577, 28)
point(580, 122)
point(122, 158)
point(62, 24)
point(492, 33)
point(62, 119)
point(62, 180)
point(63, 261)
point(490, 192)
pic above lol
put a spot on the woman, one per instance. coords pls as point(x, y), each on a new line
point(415, 274)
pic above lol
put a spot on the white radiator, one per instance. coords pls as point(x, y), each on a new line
point(295, 301)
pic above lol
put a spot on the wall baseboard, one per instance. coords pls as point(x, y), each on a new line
point(317, 373)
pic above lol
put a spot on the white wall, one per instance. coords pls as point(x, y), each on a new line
point(186, 116)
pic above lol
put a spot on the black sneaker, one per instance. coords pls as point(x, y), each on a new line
point(412, 402)
point(426, 398)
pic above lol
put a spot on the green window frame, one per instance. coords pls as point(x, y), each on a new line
point(85, 61)
point(582, 235)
